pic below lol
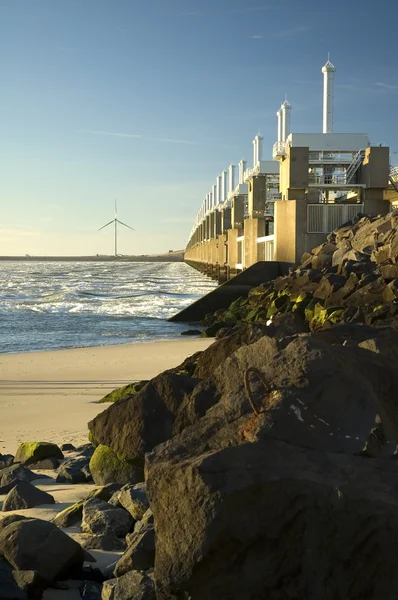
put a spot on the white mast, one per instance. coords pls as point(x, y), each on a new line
point(231, 178)
point(328, 71)
point(286, 107)
point(279, 115)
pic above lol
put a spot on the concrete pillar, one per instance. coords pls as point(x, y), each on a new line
point(217, 224)
point(218, 190)
point(232, 184)
point(237, 211)
point(226, 219)
point(224, 186)
point(256, 196)
point(242, 169)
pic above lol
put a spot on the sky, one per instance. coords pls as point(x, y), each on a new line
point(147, 101)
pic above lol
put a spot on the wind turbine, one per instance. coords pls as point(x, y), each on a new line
point(116, 221)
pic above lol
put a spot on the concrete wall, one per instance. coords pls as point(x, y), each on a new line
point(253, 229)
point(236, 287)
point(290, 224)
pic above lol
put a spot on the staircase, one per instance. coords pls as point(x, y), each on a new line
point(394, 178)
point(354, 166)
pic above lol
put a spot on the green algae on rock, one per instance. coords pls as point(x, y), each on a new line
point(124, 392)
point(32, 452)
point(106, 467)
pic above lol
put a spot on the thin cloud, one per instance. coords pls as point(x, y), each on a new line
point(256, 37)
point(387, 86)
point(138, 136)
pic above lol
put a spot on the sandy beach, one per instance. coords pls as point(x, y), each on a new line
point(50, 396)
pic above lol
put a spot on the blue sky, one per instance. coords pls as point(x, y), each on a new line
point(147, 101)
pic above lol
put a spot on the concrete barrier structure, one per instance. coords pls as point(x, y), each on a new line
point(284, 207)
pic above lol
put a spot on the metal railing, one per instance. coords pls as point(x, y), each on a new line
point(324, 218)
point(279, 149)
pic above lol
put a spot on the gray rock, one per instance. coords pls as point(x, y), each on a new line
point(90, 590)
point(107, 542)
point(47, 464)
point(71, 470)
point(68, 448)
point(73, 514)
point(16, 472)
point(86, 450)
point(134, 499)
point(100, 518)
point(25, 495)
point(68, 474)
point(147, 519)
point(132, 586)
point(140, 555)
point(33, 544)
point(6, 460)
point(133, 427)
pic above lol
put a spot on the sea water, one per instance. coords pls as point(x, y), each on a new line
point(52, 305)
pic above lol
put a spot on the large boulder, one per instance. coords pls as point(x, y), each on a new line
point(133, 585)
point(134, 426)
point(25, 495)
point(33, 544)
point(106, 467)
point(9, 588)
point(102, 518)
point(32, 452)
point(273, 520)
point(258, 498)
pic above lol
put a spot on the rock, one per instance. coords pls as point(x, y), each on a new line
point(8, 519)
point(90, 590)
point(9, 589)
point(33, 544)
point(30, 582)
point(270, 503)
point(133, 427)
point(71, 475)
point(212, 330)
point(132, 586)
point(133, 498)
point(219, 351)
point(16, 473)
point(191, 332)
point(276, 481)
point(32, 452)
point(73, 514)
point(106, 467)
point(140, 555)
point(48, 464)
point(108, 542)
point(101, 518)
point(147, 519)
point(68, 448)
point(86, 450)
point(6, 460)
point(124, 393)
point(25, 495)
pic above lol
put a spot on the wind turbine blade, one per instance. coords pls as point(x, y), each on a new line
point(103, 227)
point(121, 223)
point(115, 209)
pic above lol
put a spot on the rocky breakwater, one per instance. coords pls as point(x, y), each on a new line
point(351, 278)
point(271, 470)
